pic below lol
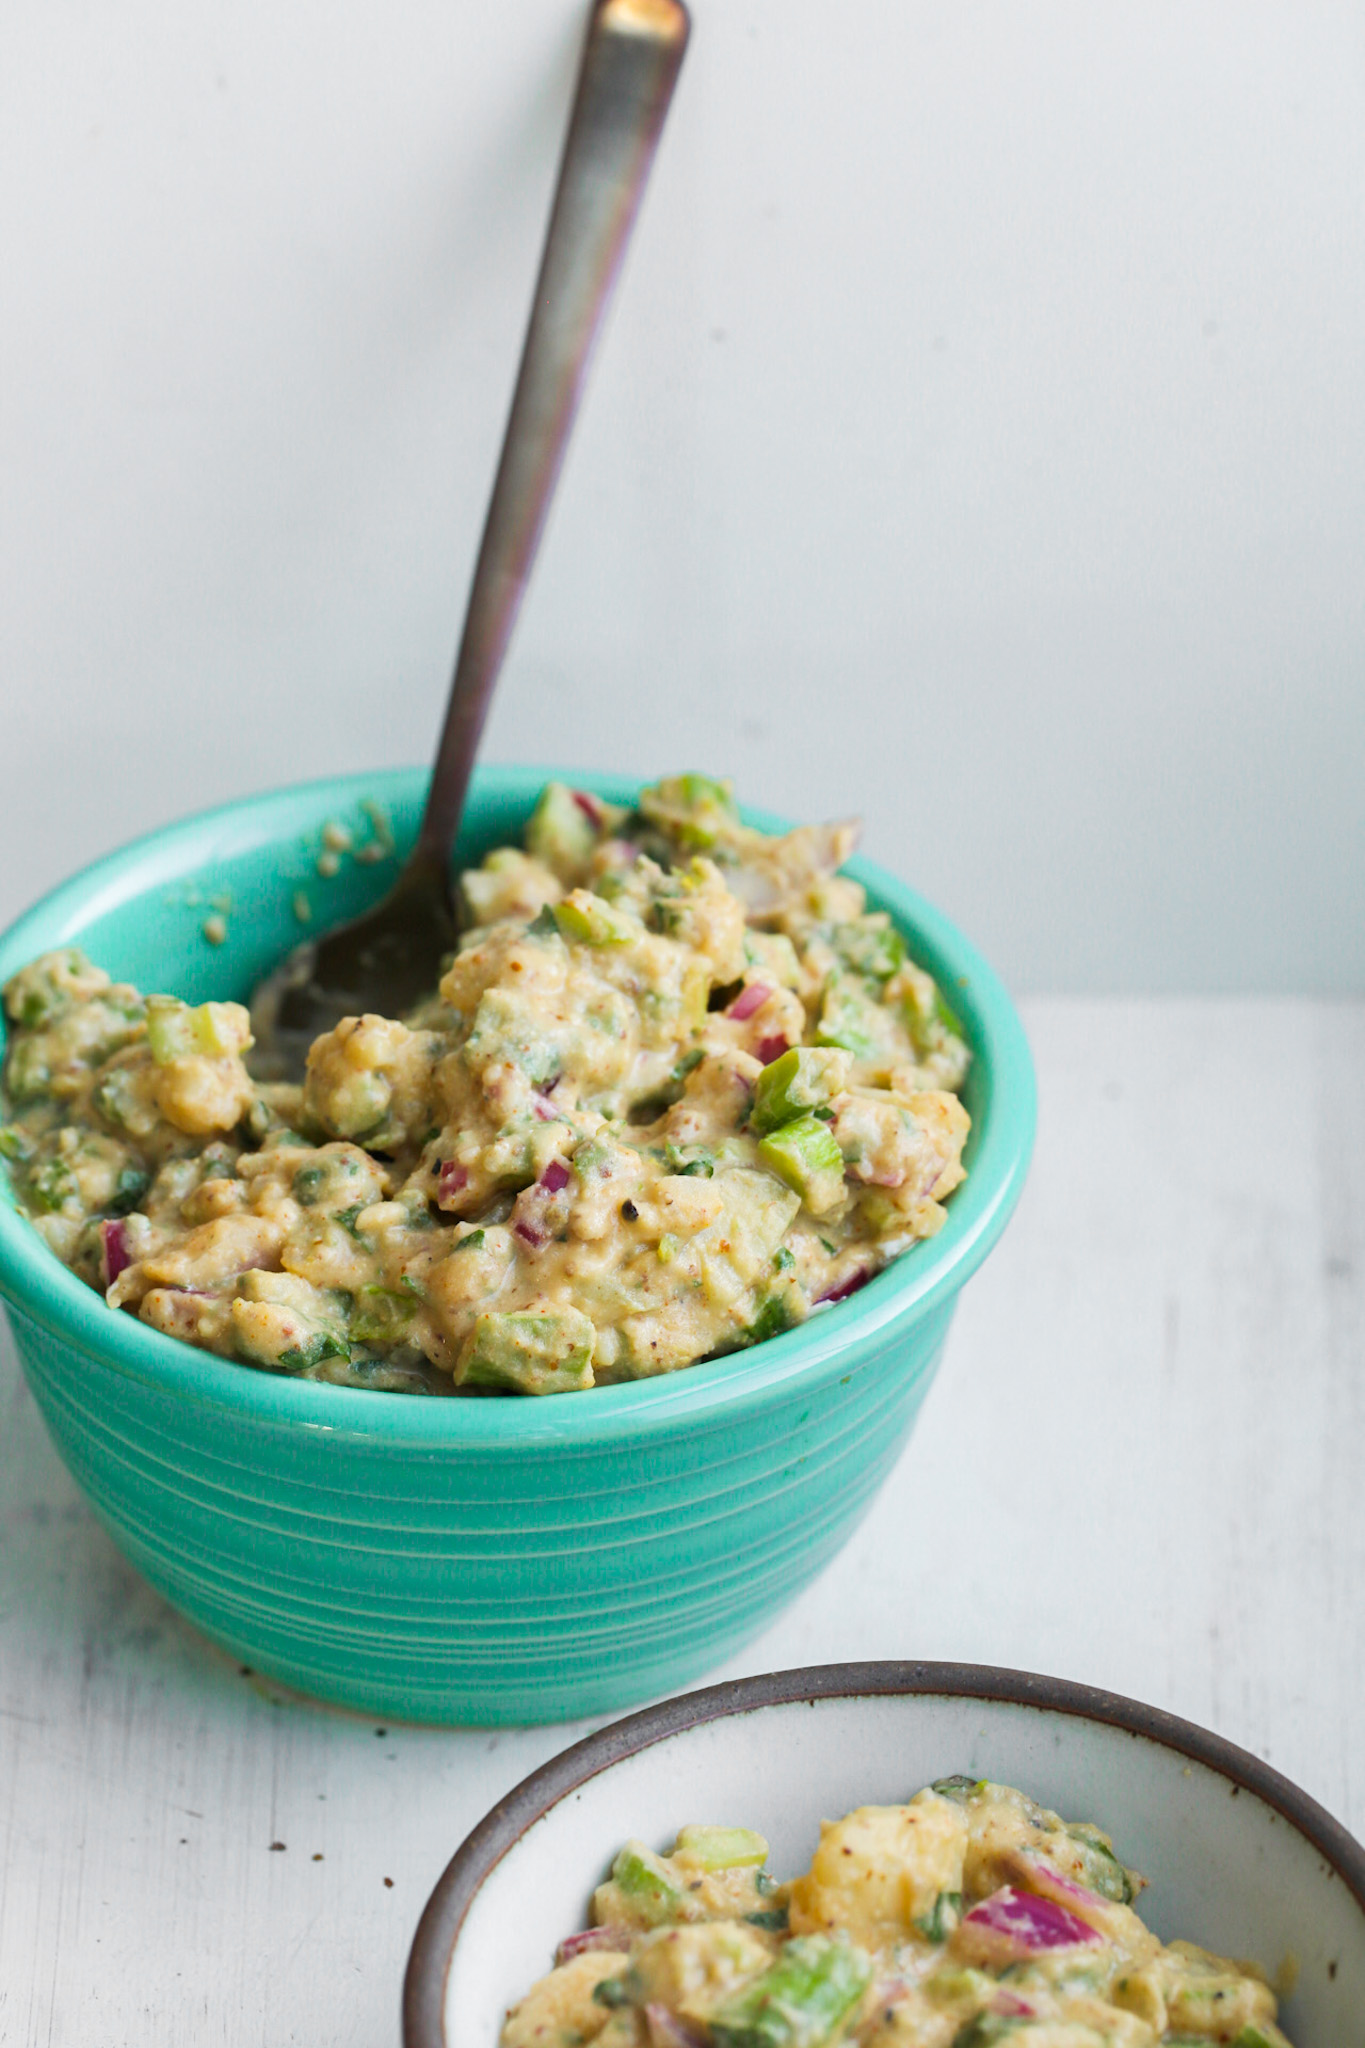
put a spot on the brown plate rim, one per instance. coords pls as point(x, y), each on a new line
point(433, 1947)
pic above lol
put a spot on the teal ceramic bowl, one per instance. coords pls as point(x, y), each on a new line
point(476, 1561)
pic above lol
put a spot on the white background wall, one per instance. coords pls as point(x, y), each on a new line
point(979, 443)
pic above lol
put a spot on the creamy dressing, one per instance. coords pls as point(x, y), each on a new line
point(968, 1916)
point(678, 1089)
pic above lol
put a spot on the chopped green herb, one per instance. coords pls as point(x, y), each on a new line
point(320, 1344)
point(51, 1184)
point(131, 1186)
point(775, 1316)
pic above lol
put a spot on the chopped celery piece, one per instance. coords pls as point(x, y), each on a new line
point(712, 1848)
point(591, 1160)
point(36, 1009)
point(506, 1029)
point(757, 1215)
point(957, 1788)
point(943, 1916)
point(529, 1352)
point(15, 1143)
point(947, 1016)
point(381, 1315)
point(871, 945)
point(1103, 1871)
point(1251, 2037)
point(560, 832)
point(927, 1017)
point(648, 1883)
point(281, 1319)
point(986, 2029)
point(592, 921)
point(177, 1032)
point(39, 993)
point(849, 1018)
point(28, 1077)
point(799, 1080)
point(695, 809)
point(805, 1155)
point(801, 2002)
point(949, 1986)
point(777, 1314)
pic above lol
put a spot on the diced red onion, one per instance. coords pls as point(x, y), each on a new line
point(846, 1287)
point(1011, 2007)
point(114, 1245)
point(1051, 1879)
point(1017, 1925)
point(750, 998)
point(666, 2030)
point(771, 1048)
point(1037, 1874)
point(590, 807)
point(542, 1210)
point(593, 1938)
point(451, 1177)
point(544, 1109)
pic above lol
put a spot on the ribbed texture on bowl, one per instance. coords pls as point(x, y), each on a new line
point(479, 1561)
point(509, 1588)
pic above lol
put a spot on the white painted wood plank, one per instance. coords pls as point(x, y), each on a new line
point(1140, 1467)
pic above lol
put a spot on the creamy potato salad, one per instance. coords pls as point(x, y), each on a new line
point(678, 1089)
point(967, 1917)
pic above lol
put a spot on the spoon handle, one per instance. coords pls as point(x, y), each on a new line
point(630, 64)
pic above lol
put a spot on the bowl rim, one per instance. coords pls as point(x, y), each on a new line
point(908, 1289)
point(503, 1826)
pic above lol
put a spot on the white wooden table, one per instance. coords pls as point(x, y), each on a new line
point(1141, 1467)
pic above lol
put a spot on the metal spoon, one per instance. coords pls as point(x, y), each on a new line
point(389, 958)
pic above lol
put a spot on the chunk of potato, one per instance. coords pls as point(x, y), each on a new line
point(561, 2009)
point(880, 1870)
